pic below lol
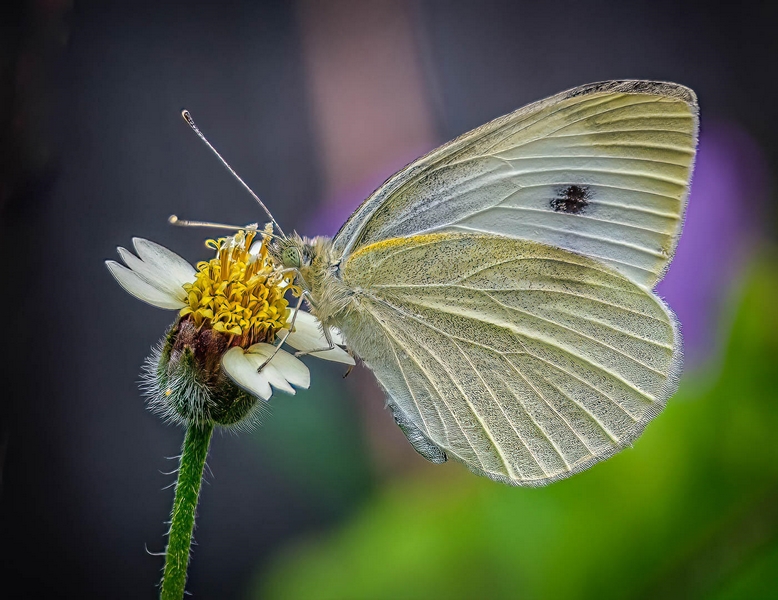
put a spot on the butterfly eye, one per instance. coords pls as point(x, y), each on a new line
point(291, 257)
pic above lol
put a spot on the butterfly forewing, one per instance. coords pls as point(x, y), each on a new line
point(602, 170)
point(526, 362)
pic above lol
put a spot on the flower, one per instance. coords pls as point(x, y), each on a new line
point(232, 309)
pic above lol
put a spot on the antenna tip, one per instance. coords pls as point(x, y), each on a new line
point(172, 219)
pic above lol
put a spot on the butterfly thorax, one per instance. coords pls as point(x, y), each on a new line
point(318, 274)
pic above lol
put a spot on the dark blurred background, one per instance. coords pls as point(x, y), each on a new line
point(315, 103)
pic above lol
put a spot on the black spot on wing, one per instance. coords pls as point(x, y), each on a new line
point(572, 199)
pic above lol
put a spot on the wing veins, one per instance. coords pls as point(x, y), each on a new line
point(639, 209)
point(583, 157)
point(520, 334)
point(621, 331)
point(413, 396)
point(635, 175)
point(399, 286)
point(586, 411)
point(513, 174)
point(584, 217)
point(605, 185)
point(498, 352)
point(589, 144)
point(553, 133)
point(588, 384)
point(509, 468)
point(556, 367)
point(434, 406)
point(526, 123)
point(616, 306)
point(443, 199)
point(586, 103)
point(401, 250)
point(636, 131)
point(486, 429)
point(518, 258)
point(435, 387)
point(548, 291)
point(589, 254)
point(688, 115)
point(562, 349)
point(570, 329)
point(543, 399)
point(648, 251)
point(545, 320)
point(482, 269)
point(577, 109)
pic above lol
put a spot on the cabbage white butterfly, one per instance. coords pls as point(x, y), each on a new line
point(500, 287)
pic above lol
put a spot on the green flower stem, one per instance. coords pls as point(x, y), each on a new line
point(190, 476)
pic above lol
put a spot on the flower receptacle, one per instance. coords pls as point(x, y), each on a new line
point(184, 381)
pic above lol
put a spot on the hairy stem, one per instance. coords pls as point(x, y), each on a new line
point(190, 476)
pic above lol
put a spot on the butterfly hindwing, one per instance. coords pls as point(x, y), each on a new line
point(526, 362)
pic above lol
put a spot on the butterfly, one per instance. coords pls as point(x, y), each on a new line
point(500, 287)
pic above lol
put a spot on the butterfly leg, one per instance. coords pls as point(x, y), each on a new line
point(327, 337)
point(287, 333)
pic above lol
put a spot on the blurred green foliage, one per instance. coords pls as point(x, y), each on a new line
point(690, 512)
point(314, 441)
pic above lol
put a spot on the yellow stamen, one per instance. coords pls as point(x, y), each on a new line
point(238, 293)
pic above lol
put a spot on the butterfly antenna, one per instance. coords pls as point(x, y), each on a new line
point(190, 121)
point(174, 220)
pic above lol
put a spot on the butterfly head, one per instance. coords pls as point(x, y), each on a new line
point(292, 252)
point(291, 257)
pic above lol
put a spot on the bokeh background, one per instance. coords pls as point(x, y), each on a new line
point(315, 103)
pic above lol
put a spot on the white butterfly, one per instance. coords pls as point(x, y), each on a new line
point(500, 286)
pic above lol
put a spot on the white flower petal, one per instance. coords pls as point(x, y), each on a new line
point(307, 336)
point(137, 286)
point(290, 368)
point(150, 273)
point(273, 375)
point(335, 354)
point(308, 329)
point(282, 372)
point(242, 369)
point(177, 270)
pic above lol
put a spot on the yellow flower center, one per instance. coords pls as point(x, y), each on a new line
point(240, 292)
